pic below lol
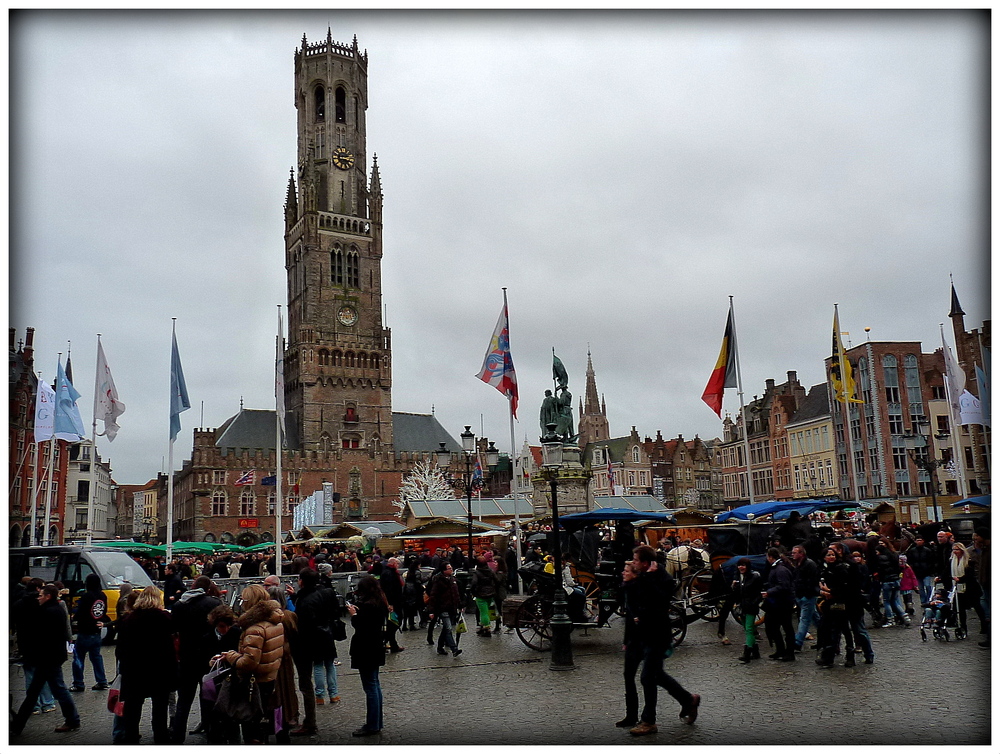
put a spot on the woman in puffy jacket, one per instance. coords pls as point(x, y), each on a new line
point(262, 645)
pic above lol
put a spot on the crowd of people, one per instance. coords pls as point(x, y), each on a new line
point(281, 641)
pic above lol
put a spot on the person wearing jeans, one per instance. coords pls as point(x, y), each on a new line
point(368, 615)
point(325, 677)
point(444, 602)
point(806, 580)
point(91, 615)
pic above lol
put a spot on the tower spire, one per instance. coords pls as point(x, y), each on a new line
point(956, 308)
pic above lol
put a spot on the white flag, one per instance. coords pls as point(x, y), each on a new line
point(45, 412)
point(970, 410)
point(107, 407)
point(955, 377)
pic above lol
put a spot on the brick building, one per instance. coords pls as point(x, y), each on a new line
point(28, 462)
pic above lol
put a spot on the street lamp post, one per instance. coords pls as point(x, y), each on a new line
point(562, 648)
point(473, 479)
point(916, 447)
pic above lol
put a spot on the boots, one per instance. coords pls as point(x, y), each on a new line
point(755, 652)
point(747, 655)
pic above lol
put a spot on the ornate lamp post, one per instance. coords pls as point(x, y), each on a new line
point(472, 479)
point(562, 648)
point(917, 448)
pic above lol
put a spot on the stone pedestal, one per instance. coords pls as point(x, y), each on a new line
point(573, 486)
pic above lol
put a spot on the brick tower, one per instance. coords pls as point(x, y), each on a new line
point(338, 355)
point(593, 424)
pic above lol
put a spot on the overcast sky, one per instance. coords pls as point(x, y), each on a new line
point(622, 174)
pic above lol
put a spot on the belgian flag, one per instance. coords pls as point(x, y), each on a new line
point(724, 374)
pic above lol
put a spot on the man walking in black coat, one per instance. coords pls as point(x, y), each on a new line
point(648, 589)
point(43, 647)
point(316, 608)
point(91, 616)
point(779, 602)
point(190, 618)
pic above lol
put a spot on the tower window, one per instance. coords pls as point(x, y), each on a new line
point(352, 274)
point(338, 358)
point(337, 266)
point(340, 105)
point(320, 99)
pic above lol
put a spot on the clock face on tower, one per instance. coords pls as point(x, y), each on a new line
point(342, 158)
point(347, 315)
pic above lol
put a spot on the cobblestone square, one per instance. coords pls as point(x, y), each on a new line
point(500, 692)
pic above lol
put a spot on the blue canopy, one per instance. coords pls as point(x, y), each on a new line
point(617, 514)
point(776, 508)
point(983, 501)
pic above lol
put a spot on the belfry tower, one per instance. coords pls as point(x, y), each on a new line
point(593, 424)
point(338, 355)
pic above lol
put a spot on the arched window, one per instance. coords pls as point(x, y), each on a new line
point(363, 360)
point(324, 442)
point(340, 105)
point(209, 537)
point(376, 361)
point(337, 266)
point(635, 454)
point(352, 272)
point(227, 538)
point(324, 357)
point(913, 395)
point(338, 358)
point(349, 359)
point(219, 503)
point(247, 503)
point(319, 97)
point(890, 373)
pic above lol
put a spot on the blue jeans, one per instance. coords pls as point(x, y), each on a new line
point(447, 634)
point(861, 637)
point(88, 645)
point(373, 697)
point(926, 588)
point(52, 675)
point(807, 614)
point(45, 698)
point(890, 596)
point(325, 677)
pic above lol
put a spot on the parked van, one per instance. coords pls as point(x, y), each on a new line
point(72, 564)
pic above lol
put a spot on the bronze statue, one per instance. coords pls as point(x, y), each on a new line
point(550, 411)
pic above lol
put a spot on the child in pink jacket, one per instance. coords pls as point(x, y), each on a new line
point(908, 584)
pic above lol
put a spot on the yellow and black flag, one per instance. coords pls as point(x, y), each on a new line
point(843, 389)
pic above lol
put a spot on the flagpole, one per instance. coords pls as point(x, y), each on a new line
point(739, 391)
point(956, 427)
point(32, 540)
point(279, 401)
point(853, 472)
point(93, 453)
point(52, 463)
point(170, 465)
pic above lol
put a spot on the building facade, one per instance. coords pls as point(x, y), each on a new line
point(33, 468)
point(812, 455)
point(86, 469)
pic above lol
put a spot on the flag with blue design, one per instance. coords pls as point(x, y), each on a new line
point(45, 412)
point(179, 400)
point(68, 424)
point(498, 366)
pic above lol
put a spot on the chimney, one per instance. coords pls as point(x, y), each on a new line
point(29, 349)
point(792, 378)
point(770, 385)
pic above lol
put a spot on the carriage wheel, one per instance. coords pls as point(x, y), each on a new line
point(533, 621)
point(697, 587)
point(678, 624)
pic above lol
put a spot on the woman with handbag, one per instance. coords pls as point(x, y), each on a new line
point(258, 658)
point(369, 612)
point(147, 663)
point(747, 587)
point(837, 590)
point(413, 596)
point(968, 591)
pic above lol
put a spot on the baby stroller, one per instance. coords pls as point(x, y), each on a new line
point(940, 615)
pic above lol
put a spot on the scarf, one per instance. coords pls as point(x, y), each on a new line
point(958, 566)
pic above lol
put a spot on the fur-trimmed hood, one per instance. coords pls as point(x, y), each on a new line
point(268, 610)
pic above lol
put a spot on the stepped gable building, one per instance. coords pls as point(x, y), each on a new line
point(764, 420)
point(339, 424)
point(682, 472)
point(593, 424)
point(629, 463)
point(810, 447)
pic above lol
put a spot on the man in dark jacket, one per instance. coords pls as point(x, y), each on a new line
point(173, 586)
point(44, 649)
point(316, 608)
point(779, 602)
point(889, 573)
point(922, 558)
point(444, 603)
point(806, 580)
point(190, 619)
point(945, 543)
point(91, 615)
point(648, 589)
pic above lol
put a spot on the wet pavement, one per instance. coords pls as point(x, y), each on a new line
point(501, 692)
